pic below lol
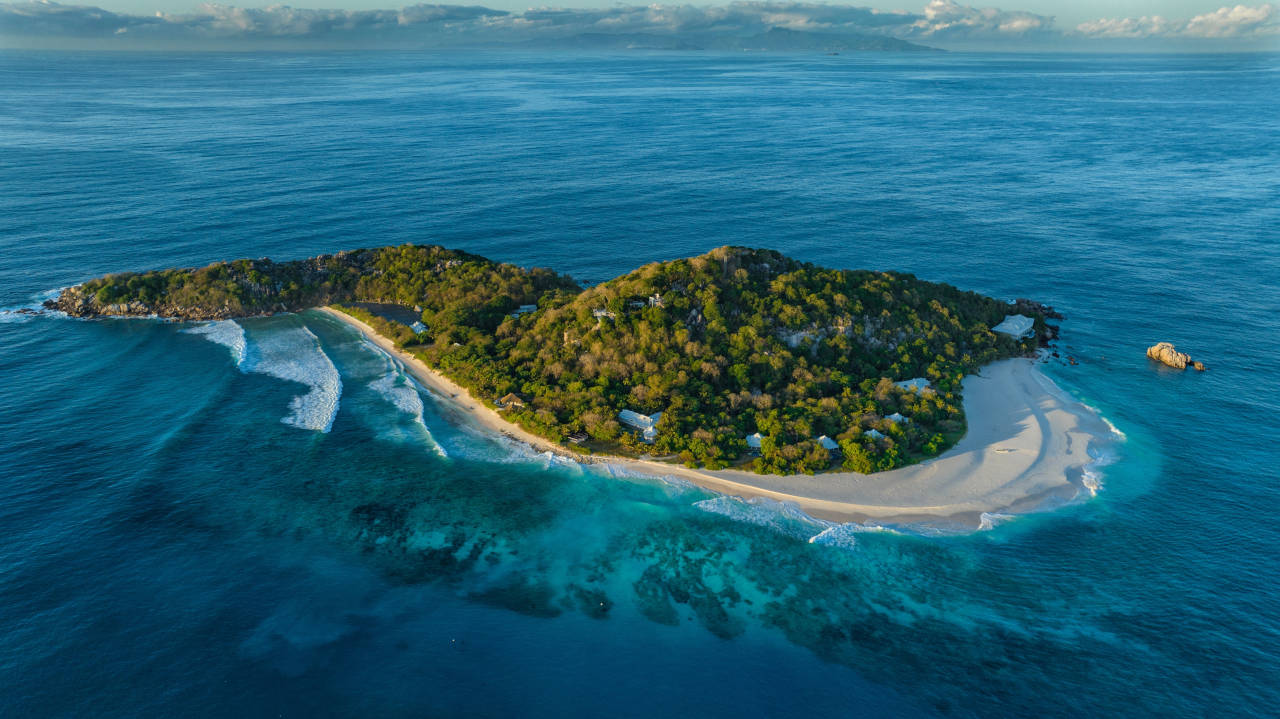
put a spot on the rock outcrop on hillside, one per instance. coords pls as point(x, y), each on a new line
point(1166, 353)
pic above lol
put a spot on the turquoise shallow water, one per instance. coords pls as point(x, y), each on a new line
point(179, 535)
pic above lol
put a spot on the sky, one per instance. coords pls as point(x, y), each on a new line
point(1073, 12)
point(1022, 25)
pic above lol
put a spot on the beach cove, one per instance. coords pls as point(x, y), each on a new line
point(1029, 446)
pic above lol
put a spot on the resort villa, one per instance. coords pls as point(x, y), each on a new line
point(919, 384)
point(1016, 326)
point(644, 424)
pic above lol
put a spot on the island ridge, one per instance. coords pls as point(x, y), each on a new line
point(737, 359)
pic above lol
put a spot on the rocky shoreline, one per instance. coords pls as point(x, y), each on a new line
point(76, 303)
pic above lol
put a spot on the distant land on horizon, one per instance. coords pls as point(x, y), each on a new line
point(776, 39)
point(734, 27)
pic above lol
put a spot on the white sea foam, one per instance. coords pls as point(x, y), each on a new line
point(401, 390)
point(295, 354)
point(24, 312)
point(783, 517)
point(1114, 429)
point(1100, 452)
point(843, 535)
point(227, 333)
point(1091, 477)
point(990, 520)
point(559, 460)
point(839, 535)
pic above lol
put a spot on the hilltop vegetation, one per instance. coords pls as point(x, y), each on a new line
point(455, 287)
point(726, 344)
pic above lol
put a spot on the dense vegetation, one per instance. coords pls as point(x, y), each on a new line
point(725, 344)
point(458, 288)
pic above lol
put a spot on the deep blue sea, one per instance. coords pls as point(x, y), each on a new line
point(181, 536)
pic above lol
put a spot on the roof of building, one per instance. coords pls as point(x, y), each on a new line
point(753, 440)
point(511, 398)
point(1016, 325)
point(637, 420)
point(896, 417)
point(915, 385)
point(874, 434)
point(828, 443)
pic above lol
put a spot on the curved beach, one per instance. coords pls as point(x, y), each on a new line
point(1027, 447)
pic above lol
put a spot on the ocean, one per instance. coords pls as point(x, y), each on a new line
point(269, 518)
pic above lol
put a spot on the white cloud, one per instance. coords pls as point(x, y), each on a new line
point(1241, 22)
point(1129, 27)
point(1235, 21)
point(945, 18)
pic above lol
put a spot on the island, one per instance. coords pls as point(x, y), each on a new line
point(742, 369)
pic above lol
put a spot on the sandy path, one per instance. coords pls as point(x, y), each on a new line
point(1027, 443)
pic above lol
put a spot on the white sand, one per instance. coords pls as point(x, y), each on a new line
point(1027, 446)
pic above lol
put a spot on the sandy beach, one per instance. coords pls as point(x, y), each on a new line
point(1027, 447)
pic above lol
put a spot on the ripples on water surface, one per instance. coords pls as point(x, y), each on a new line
point(181, 536)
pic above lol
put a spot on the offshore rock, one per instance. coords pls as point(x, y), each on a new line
point(1166, 353)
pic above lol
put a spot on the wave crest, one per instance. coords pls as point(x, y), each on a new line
point(295, 354)
point(227, 333)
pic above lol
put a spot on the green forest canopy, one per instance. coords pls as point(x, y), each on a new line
point(725, 344)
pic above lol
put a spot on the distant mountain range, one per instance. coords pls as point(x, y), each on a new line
point(775, 39)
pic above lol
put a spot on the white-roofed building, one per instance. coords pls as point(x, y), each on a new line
point(753, 441)
point(919, 384)
point(897, 418)
point(874, 434)
point(1017, 326)
point(645, 424)
point(418, 327)
point(828, 443)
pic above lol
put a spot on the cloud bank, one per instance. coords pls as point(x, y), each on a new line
point(1240, 22)
point(735, 26)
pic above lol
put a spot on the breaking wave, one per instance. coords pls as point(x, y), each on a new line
point(783, 517)
point(295, 354)
point(34, 308)
point(840, 535)
point(402, 391)
point(227, 333)
point(990, 520)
